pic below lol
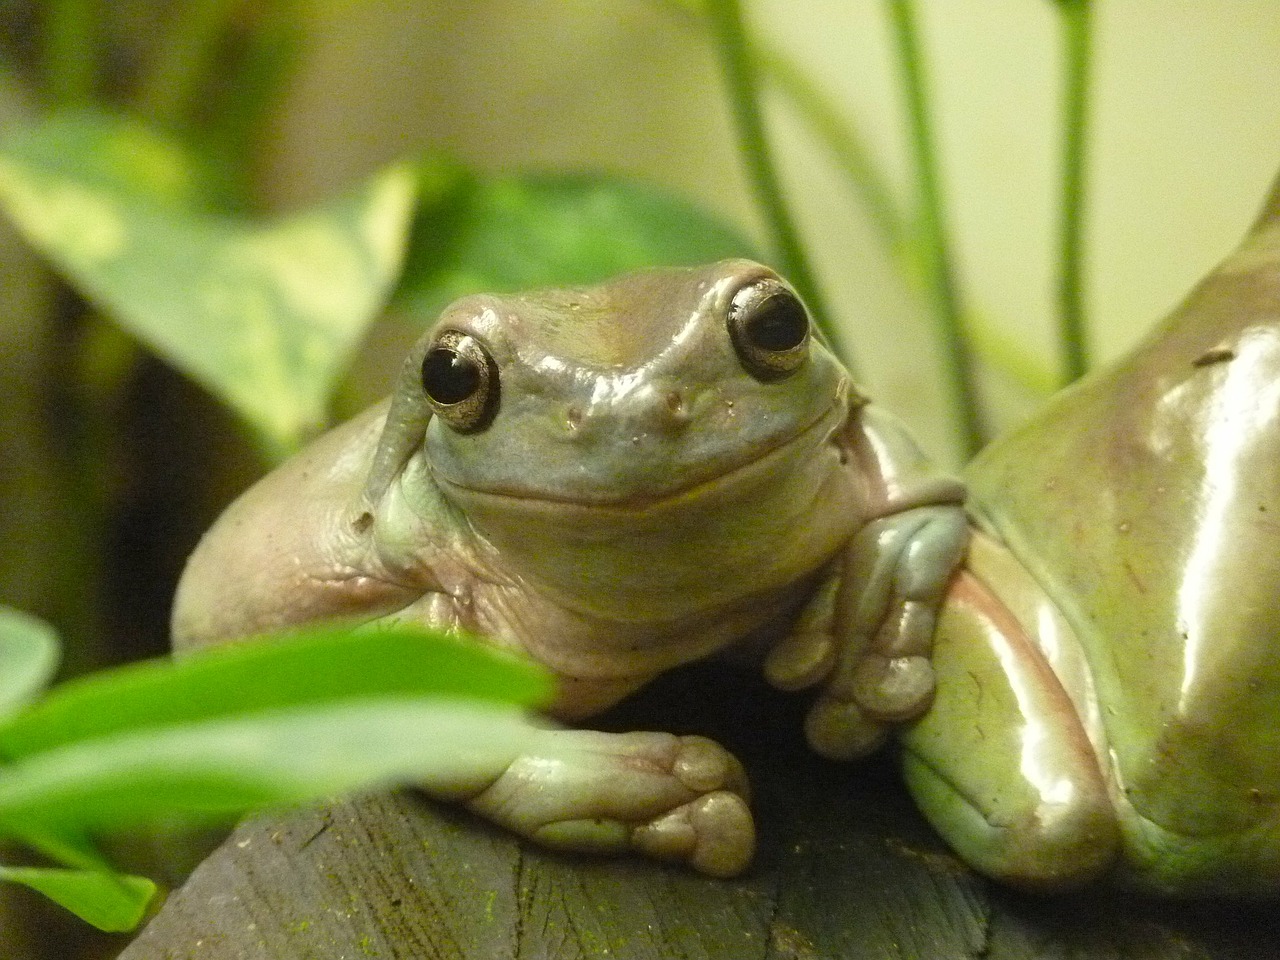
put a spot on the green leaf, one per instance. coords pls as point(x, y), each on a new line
point(70, 847)
point(516, 233)
point(110, 901)
point(312, 666)
point(114, 156)
point(220, 768)
point(266, 316)
point(29, 653)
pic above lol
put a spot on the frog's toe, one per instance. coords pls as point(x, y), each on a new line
point(713, 834)
point(893, 689)
point(674, 798)
point(841, 730)
point(703, 765)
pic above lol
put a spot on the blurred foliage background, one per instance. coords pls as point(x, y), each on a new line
point(111, 464)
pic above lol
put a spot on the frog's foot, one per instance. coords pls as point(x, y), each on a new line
point(673, 798)
point(867, 635)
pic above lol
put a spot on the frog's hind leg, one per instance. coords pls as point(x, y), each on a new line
point(1001, 764)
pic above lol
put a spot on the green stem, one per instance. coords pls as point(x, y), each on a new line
point(744, 96)
point(1072, 335)
point(183, 58)
point(933, 233)
point(70, 52)
point(847, 149)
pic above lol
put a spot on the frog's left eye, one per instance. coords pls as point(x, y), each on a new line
point(460, 380)
point(769, 327)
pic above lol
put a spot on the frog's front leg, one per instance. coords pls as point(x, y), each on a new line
point(868, 633)
point(681, 799)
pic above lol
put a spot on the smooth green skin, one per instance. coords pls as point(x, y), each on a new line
point(1145, 505)
point(640, 499)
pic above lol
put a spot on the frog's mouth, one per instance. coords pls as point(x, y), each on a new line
point(769, 463)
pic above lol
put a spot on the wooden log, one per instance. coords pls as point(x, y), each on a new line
point(846, 869)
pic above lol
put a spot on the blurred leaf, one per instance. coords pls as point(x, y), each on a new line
point(111, 155)
point(29, 652)
point(314, 666)
point(264, 316)
point(220, 768)
point(68, 846)
point(516, 233)
point(110, 901)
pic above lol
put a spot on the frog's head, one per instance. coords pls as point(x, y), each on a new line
point(614, 413)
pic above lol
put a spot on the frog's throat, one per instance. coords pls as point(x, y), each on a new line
point(812, 435)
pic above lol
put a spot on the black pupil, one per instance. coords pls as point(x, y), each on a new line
point(448, 376)
point(779, 323)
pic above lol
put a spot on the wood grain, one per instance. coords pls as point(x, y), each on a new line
point(846, 869)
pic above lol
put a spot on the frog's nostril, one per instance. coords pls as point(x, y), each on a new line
point(670, 410)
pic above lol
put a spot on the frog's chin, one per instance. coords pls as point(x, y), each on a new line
point(776, 458)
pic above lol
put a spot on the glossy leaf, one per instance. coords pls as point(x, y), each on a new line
point(517, 233)
point(266, 316)
point(29, 653)
point(315, 666)
point(216, 769)
point(110, 901)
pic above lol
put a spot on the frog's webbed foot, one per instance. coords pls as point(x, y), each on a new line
point(672, 798)
point(867, 635)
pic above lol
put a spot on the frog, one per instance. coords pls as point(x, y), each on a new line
point(1107, 663)
point(614, 481)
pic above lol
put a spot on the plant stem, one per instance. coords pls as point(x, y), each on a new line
point(1073, 339)
point(70, 52)
point(182, 59)
point(839, 134)
point(932, 227)
point(848, 150)
point(744, 96)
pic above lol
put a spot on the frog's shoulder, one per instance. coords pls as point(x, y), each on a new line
point(290, 549)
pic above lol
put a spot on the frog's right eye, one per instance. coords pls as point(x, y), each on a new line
point(769, 328)
point(460, 380)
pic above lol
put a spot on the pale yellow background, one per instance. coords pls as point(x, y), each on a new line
point(1186, 138)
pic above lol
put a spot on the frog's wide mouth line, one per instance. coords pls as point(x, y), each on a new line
point(741, 472)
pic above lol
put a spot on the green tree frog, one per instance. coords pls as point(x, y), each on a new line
point(614, 481)
point(1108, 664)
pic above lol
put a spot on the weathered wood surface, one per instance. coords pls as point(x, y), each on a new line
point(846, 870)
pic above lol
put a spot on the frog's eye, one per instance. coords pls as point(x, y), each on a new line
point(460, 380)
point(769, 327)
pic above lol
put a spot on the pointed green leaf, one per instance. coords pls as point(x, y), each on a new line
point(29, 653)
point(217, 769)
point(312, 666)
point(114, 902)
point(516, 233)
point(70, 847)
point(266, 316)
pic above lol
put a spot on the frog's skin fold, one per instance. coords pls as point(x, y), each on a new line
point(1133, 532)
point(614, 481)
